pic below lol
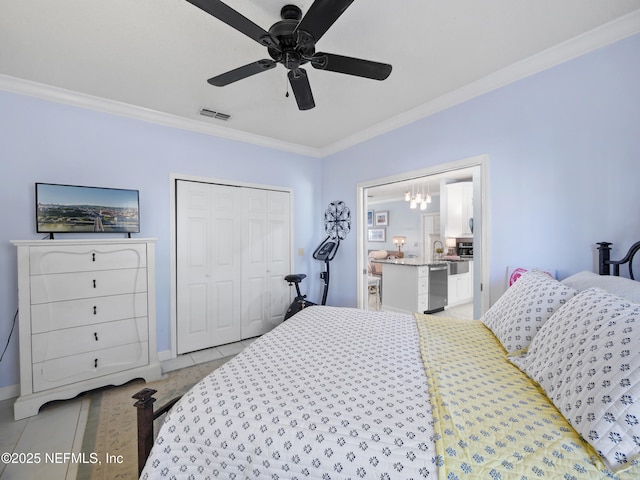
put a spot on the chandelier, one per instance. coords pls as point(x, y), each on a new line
point(416, 196)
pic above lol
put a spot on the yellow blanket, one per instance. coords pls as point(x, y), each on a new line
point(491, 421)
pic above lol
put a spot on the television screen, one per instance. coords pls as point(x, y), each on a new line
point(73, 208)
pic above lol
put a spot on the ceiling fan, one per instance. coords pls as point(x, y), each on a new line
point(291, 42)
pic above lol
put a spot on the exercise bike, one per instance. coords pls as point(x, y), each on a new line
point(325, 252)
point(337, 223)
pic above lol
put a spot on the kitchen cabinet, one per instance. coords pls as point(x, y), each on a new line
point(459, 209)
point(87, 317)
point(409, 286)
point(460, 287)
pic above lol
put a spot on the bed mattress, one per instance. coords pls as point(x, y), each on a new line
point(332, 393)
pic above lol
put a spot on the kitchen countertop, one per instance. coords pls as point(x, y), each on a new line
point(410, 262)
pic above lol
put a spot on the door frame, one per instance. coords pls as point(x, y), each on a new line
point(481, 282)
point(173, 177)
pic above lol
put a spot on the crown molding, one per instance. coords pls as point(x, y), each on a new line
point(82, 100)
point(604, 35)
point(599, 37)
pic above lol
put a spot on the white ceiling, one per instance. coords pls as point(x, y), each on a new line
point(158, 54)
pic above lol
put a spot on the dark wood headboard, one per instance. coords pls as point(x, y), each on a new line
point(605, 263)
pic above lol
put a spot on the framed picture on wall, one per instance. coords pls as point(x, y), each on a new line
point(377, 234)
point(369, 218)
point(382, 218)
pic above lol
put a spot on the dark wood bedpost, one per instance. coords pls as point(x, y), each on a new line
point(144, 406)
point(604, 258)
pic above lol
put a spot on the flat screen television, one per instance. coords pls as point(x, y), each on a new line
point(79, 209)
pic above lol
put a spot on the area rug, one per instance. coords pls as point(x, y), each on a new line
point(111, 425)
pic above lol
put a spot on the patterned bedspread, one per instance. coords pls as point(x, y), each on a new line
point(333, 393)
point(492, 421)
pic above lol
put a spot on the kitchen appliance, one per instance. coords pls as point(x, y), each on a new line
point(465, 249)
point(438, 287)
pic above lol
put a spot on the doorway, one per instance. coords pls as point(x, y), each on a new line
point(393, 189)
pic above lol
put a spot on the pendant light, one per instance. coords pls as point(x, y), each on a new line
point(423, 201)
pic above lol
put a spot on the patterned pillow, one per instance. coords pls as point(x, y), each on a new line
point(585, 358)
point(518, 314)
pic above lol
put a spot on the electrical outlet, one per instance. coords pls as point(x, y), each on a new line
point(301, 252)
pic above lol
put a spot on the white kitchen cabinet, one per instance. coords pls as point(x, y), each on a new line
point(405, 288)
point(87, 317)
point(459, 210)
point(460, 287)
point(413, 286)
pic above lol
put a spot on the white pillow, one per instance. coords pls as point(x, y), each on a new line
point(624, 287)
point(586, 359)
point(520, 312)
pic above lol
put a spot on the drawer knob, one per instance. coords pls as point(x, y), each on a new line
point(95, 334)
point(95, 363)
point(95, 310)
point(94, 283)
point(93, 257)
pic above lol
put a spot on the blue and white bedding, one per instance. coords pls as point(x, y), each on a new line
point(341, 393)
point(331, 393)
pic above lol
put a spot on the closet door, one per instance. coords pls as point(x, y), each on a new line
point(233, 252)
point(265, 260)
point(279, 251)
point(208, 265)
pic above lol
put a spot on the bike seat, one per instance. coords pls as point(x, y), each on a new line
point(295, 277)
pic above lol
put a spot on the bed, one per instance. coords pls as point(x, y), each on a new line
point(545, 385)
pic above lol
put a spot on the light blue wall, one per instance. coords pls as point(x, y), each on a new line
point(564, 159)
point(564, 163)
point(406, 222)
point(41, 141)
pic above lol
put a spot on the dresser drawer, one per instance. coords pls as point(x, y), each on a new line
point(77, 368)
point(83, 258)
point(69, 286)
point(71, 341)
point(76, 313)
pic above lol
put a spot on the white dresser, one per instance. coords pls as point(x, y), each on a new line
point(87, 317)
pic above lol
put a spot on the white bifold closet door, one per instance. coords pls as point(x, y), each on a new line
point(233, 249)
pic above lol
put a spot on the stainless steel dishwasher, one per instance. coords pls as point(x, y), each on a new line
point(438, 287)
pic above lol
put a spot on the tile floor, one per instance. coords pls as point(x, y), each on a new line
point(59, 427)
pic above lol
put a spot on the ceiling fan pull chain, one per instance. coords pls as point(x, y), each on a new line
point(287, 94)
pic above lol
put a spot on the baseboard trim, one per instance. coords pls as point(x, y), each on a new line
point(10, 391)
point(164, 355)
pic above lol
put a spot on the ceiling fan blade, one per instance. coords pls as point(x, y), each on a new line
point(234, 19)
point(301, 88)
point(351, 66)
point(321, 15)
point(242, 72)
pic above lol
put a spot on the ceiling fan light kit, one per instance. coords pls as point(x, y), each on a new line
point(291, 42)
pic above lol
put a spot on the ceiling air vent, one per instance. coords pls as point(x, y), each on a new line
point(217, 115)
